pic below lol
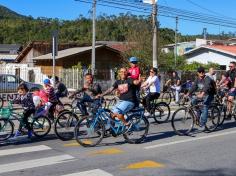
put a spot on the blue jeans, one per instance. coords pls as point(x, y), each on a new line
point(206, 103)
point(81, 104)
point(122, 107)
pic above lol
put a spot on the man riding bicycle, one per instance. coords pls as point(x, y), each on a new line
point(230, 75)
point(90, 90)
point(126, 88)
point(205, 88)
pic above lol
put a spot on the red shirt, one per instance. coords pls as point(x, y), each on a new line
point(42, 95)
point(134, 72)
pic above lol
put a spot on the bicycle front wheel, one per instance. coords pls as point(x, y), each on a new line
point(41, 126)
point(89, 132)
point(182, 121)
point(166, 97)
point(162, 112)
point(6, 129)
point(65, 124)
point(213, 118)
point(138, 130)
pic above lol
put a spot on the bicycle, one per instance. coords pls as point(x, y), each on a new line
point(184, 118)
point(90, 131)
point(159, 111)
point(169, 94)
point(41, 125)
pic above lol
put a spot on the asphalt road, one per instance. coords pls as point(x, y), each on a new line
point(163, 153)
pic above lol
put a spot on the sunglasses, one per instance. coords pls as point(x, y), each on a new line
point(230, 66)
point(151, 71)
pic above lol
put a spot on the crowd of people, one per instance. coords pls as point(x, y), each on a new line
point(128, 87)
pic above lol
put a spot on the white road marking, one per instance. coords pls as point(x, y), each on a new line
point(189, 140)
point(7, 152)
point(95, 172)
point(10, 167)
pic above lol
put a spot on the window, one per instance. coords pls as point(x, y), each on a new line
point(11, 79)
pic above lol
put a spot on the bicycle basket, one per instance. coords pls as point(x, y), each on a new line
point(5, 113)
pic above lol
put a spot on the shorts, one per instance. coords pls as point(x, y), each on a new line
point(122, 107)
point(232, 94)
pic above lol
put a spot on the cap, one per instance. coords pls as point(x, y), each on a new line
point(133, 59)
point(47, 81)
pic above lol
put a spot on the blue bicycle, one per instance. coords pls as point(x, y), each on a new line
point(90, 130)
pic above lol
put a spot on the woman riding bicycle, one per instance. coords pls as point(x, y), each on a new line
point(152, 85)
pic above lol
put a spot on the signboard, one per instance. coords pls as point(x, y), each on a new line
point(8, 96)
point(149, 1)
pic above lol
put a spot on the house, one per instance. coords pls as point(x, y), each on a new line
point(220, 54)
point(107, 58)
point(9, 52)
point(38, 48)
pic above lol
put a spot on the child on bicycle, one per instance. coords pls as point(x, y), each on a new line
point(52, 98)
point(26, 100)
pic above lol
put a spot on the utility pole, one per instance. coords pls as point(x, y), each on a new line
point(54, 53)
point(94, 37)
point(154, 41)
point(176, 40)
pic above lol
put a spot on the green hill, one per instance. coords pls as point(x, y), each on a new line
point(7, 13)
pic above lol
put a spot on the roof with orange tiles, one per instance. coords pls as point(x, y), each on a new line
point(231, 50)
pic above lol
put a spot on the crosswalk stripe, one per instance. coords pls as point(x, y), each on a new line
point(10, 167)
point(95, 172)
point(23, 150)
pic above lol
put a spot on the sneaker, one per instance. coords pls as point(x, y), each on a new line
point(17, 134)
point(228, 117)
point(147, 114)
point(30, 134)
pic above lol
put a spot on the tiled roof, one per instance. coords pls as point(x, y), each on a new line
point(231, 49)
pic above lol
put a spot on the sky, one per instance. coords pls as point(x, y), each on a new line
point(71, 9)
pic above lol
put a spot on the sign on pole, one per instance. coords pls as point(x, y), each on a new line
point(149, 1)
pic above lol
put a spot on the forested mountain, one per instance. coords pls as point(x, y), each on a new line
point(16, 28)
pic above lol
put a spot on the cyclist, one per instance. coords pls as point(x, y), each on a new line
point(26, 100)
point(52, 98)
point(231, 75)
point(211, 73)
point(60, 88)
point(153, 86)
point(134, 73)
point(174, 81)
point(126, 87)
point(206, 89)
point(91, 90)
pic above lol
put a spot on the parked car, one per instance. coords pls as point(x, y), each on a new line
point(9, 83)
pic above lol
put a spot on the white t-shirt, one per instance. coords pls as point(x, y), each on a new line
point(154, 83)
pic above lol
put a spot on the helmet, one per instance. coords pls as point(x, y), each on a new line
point(47, 81)
point(133, 59)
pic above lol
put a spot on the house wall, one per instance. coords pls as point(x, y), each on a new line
point(205, 56)
point(106, 59)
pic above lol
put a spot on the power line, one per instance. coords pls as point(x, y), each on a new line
point(165, 11)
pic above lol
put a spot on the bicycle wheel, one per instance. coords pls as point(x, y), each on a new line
point(89, 132)
point(182, 121)
point(223, 110)
point(6, 129)
point(166, 97)
point(65, 124)
point(138, 129)
point(41, 126)
point(213, 118)
point(1, 102)
point(162, 112)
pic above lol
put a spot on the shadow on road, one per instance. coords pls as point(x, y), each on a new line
point(210, 172)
